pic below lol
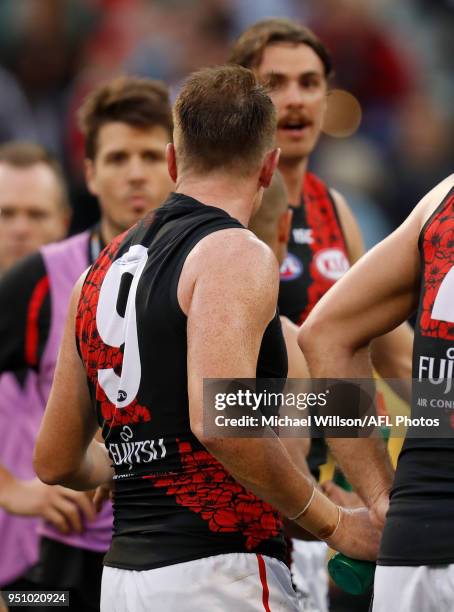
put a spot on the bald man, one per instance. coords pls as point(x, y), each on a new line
point(272, 224)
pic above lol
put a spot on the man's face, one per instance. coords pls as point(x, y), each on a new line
point(129, 173)
point(31, 211)
point(298, 88)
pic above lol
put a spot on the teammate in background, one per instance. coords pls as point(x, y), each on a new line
point(34, 210)
point(416, 562)
point(127, 124)
point(325, 239)
point(188, 535)
point(272, 223)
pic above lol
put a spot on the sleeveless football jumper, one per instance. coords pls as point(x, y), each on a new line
point(419, 527)
point(317, 258)
point(173, 501)
point(317, 252)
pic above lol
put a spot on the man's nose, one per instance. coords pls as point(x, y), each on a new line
point(136, 170)
point(294, 95)
point(20, 225)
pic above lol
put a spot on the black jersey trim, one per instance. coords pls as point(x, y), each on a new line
point(399, 562)
point(192, 557)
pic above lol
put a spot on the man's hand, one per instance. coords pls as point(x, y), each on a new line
point(378, 510)
point(356, 536)
point(63, 508)
point(341, 497)
point(102, 494)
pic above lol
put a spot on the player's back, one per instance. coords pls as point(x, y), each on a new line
point(173, 500)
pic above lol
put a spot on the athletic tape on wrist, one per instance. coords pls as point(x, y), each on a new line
point(296, 517)
point(320, 516)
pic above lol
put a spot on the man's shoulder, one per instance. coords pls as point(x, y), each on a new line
point(435, 197)
point(314, 181)
point(236, 247)
point(316, 189)
point(231, 263)
point(68, 245)
point(65, 260)
point(24, 274)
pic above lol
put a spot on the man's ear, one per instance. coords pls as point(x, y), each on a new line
point(90, 176)
point(269, 165)
point(171, 159)
point(284, 226)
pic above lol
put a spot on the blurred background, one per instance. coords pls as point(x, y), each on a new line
point(389, 130)
point(395, 58)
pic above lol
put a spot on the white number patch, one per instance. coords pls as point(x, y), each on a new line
point(116, 330)
point(443, 308)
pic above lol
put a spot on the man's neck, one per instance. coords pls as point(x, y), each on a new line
point(108, 231)
point(235, 197)
point(293, 172)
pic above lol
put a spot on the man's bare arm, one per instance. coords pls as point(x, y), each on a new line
point(66, 452)
point(391, 353)
point(60, 506)
point(226, 320)
point(374, 297)
point(227, 316)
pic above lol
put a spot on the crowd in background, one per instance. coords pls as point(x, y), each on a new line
point(395, 58)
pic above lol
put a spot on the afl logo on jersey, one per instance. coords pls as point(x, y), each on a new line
point(291, 268)
point(121, 396)
point(332, 263)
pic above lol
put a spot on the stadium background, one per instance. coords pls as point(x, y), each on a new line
point(396, 59)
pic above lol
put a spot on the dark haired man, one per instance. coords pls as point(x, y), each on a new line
point(325, 239)
point(127, 123)
point(195, 521)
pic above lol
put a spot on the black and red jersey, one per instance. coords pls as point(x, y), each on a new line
point(419, 528)
point(173, 500)
point(317, 252)
point(317, 257)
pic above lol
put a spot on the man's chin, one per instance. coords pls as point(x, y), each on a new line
point(127, 223)
point(296, 151)
point(21, 252)
point(294, 157)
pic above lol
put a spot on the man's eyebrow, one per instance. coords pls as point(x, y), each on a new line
point(115, 151)
point(273, 73)
point(306, 73)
